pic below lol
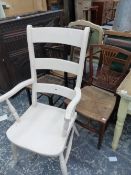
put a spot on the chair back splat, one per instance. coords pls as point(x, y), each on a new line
point(73, 37)
point(114, 63)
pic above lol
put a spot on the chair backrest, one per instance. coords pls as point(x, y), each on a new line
point(95, 37)
point(119, 39)
point(96, 31)
point(73, 37)
point(114, 64)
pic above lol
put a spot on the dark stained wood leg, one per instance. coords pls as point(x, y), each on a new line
point(101, 134)
point(65, 79)
point(51, 100)
point(113, 116)
point(29, 95)
point(74, 83)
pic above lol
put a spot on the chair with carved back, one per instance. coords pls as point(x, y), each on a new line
point(99, 96)
point(46, 129)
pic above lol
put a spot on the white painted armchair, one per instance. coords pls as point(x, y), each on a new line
point(45, 129)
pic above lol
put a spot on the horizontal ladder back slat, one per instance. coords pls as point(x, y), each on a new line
point(57, 64)
point(51, 35)
point(118, 60)
point(55, 89)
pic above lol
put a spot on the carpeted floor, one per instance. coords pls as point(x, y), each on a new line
point(85, 158)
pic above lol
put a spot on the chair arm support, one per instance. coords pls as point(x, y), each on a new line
point(16, 89)
point(71, 109)
point(72, 105)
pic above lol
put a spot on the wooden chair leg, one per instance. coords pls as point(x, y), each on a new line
point(30, 100)
point(51, 101)
point(101, 134)
point(113, 116)
point(69, 146)
point(15, 154)
point(65, 79)
point(29, 96)
point(74, 83)
point(76, 130)
point(63, 164)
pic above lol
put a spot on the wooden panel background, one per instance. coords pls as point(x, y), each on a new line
point(14, 57)
point(18, 7)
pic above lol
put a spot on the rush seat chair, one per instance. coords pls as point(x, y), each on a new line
point(99, 99)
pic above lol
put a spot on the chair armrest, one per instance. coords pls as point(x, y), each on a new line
point(71, 109)
point(72, 105)
point(16, 89)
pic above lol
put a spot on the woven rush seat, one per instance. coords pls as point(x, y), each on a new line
point(96, 103)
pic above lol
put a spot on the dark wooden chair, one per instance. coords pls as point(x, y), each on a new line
point(98, 96)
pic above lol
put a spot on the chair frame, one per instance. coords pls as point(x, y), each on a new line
point(56, 51)
point(126, 64)
point(52, 35)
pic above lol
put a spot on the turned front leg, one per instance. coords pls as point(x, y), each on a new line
point(121, 115)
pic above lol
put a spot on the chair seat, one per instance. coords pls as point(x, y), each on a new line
point(96, 103)
point(40, 130)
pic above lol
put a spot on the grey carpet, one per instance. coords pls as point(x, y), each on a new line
point(85, 158)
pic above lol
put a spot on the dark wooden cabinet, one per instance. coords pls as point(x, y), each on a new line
point(14, 59)
point(104, 13)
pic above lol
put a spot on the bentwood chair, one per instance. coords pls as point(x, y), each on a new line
point(99, 95)
point(46, 129)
